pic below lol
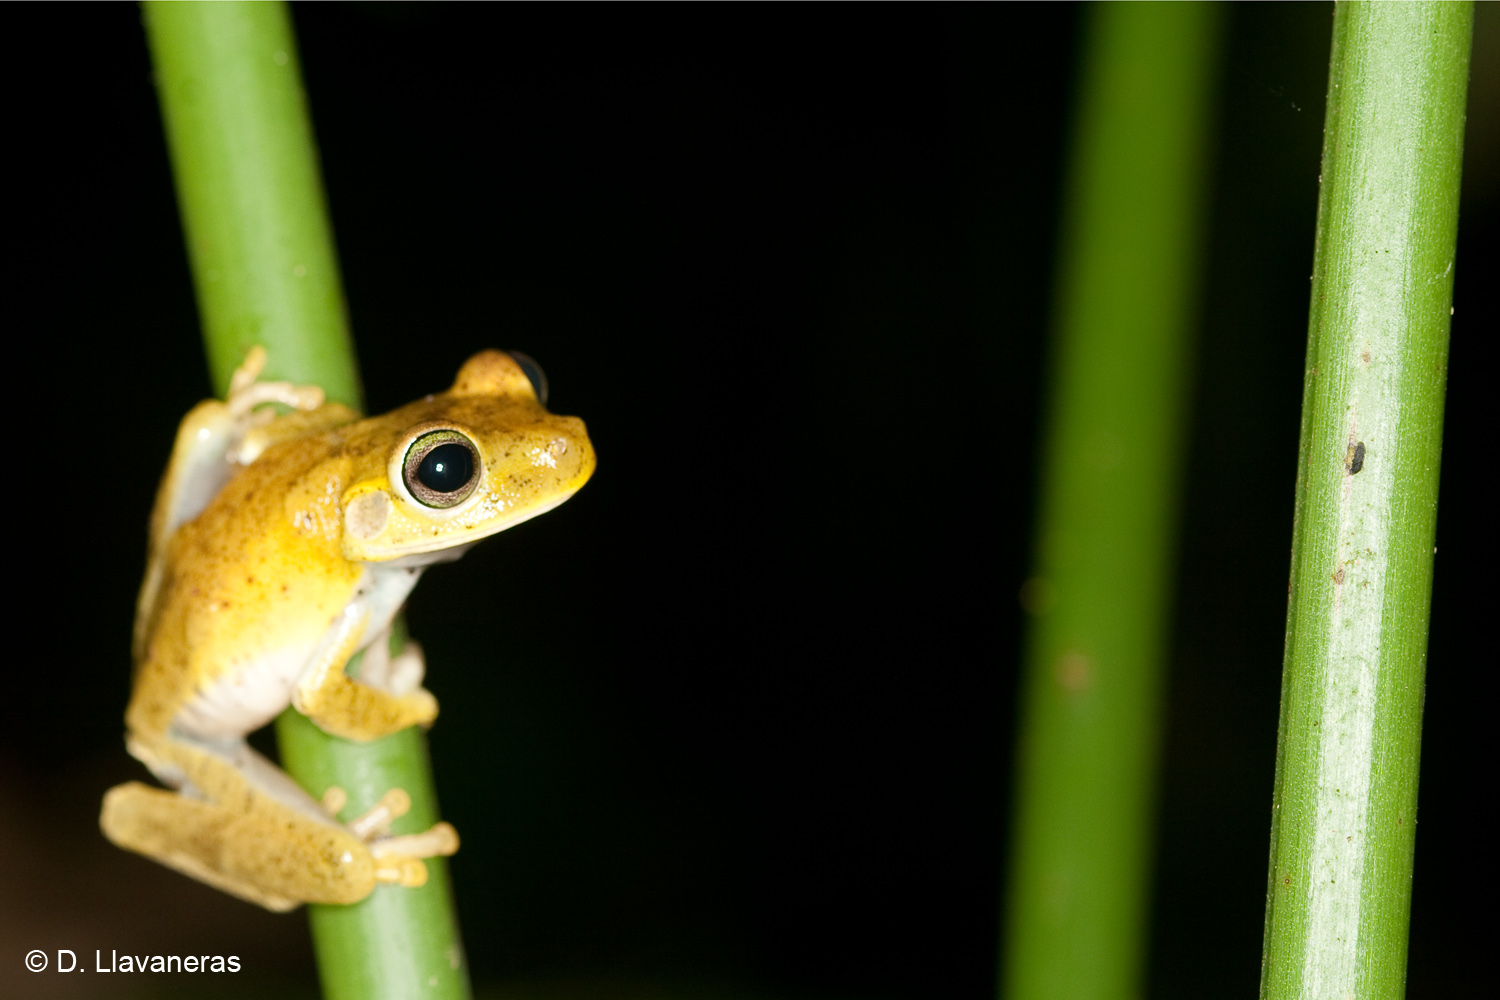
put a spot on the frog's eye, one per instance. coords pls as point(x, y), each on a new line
point(534, 374)
point(441, 469)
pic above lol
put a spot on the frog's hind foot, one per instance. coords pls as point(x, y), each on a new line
point(333, 801)
point(399, 859)
point(376, 821)
point(239, 824)
point(242, 825)
point(262, 858)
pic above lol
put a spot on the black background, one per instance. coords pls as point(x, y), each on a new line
point(738, 716)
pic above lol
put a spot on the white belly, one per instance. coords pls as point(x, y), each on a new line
point(243, 701)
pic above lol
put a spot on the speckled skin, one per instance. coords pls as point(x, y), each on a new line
point(279, 548)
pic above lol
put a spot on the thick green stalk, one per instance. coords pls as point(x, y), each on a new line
point(1101, 593)
point(1344, 811)
point(266, 272)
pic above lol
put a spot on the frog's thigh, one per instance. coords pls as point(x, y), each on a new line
point(242, 838)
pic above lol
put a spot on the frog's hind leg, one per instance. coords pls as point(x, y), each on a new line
point(241, 825)
point(238, 824)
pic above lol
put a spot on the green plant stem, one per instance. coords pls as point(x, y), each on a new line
point(1101, 593)
point(266, 272)
point(1344, 810)
point(250, 193)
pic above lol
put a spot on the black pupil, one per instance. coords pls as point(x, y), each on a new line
point(446, 468)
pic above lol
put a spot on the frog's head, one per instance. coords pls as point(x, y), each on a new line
point(448, 470)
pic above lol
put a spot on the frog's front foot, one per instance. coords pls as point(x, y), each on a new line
point(399, 859)
point(246, 392)
point(400, 674)
point(254, 426)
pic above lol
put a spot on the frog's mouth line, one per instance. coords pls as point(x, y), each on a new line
point(419, 555)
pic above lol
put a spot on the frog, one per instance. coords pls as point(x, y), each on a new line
point(285, 537)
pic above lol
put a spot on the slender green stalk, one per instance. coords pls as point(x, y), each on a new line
point(266, 272)
point(1344, 811)
point(250, 193)
point(1101, 593)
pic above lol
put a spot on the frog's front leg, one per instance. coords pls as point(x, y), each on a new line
point(241, 825)
point(356, 710)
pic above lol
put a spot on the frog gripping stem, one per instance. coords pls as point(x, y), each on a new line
point(249, 831)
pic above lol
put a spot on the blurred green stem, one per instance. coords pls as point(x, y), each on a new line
point(266, 272)
point(1101, 592)
point(1344, 810)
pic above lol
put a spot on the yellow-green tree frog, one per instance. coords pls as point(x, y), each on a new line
point(279, 547)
